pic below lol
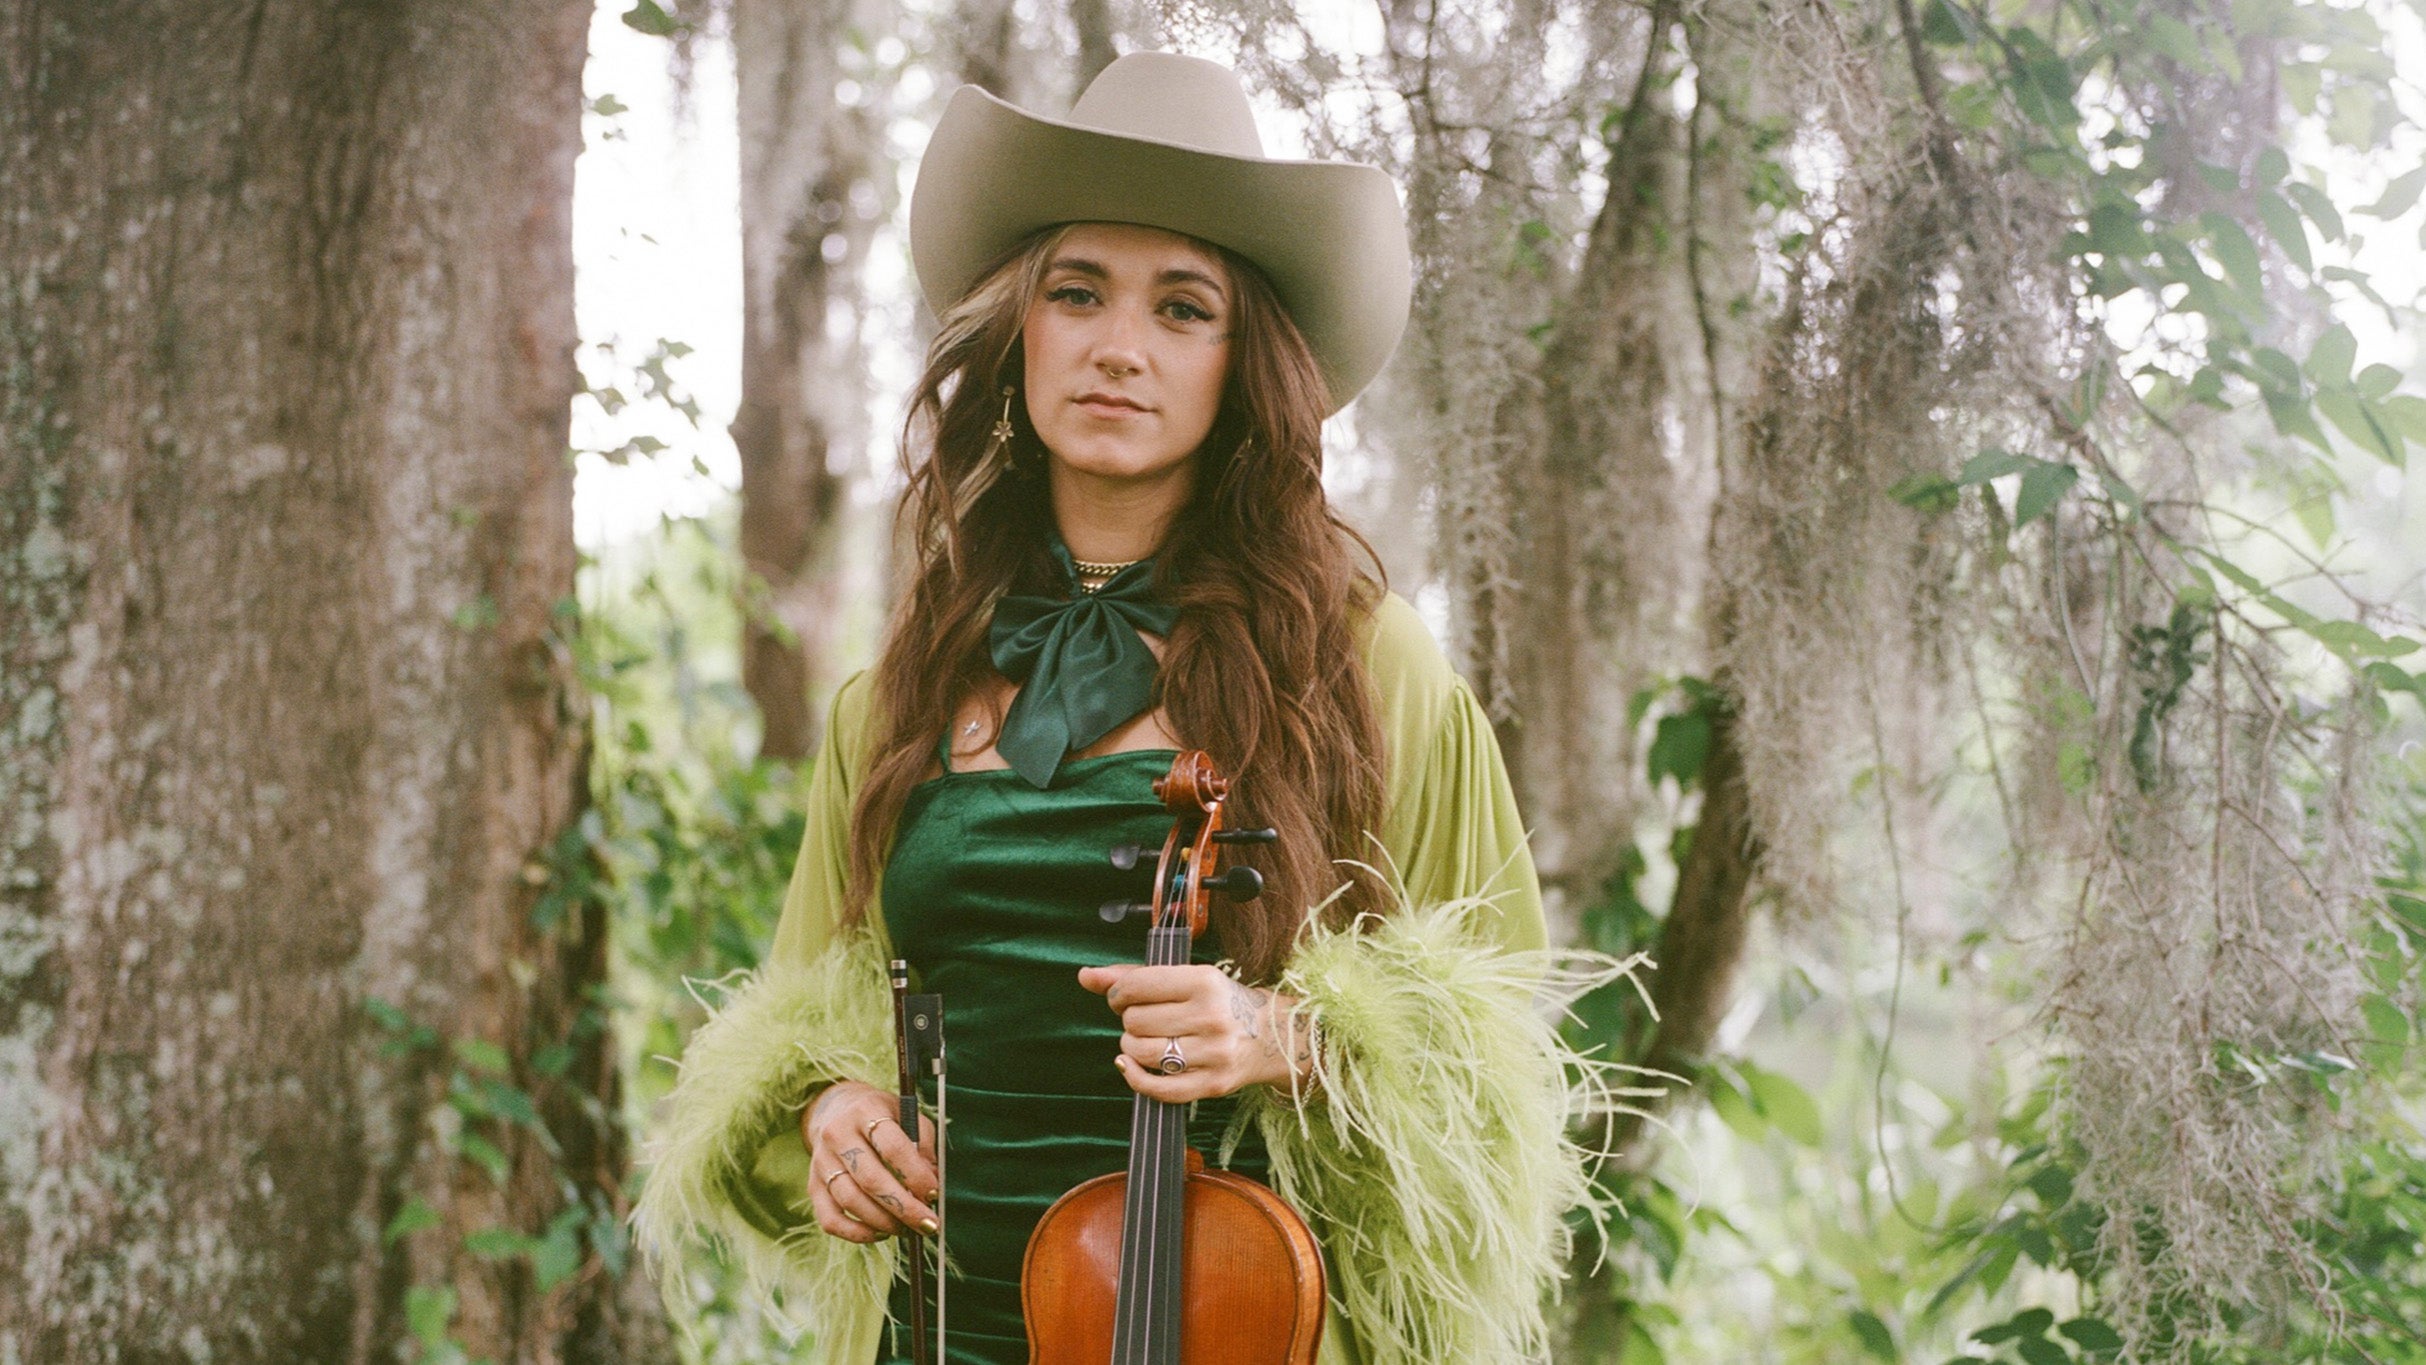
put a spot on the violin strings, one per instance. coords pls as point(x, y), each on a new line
point(1145, 1259)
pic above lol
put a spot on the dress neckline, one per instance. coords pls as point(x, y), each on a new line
point(945, 757)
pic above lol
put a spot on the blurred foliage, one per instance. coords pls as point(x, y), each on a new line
point(689, 839)
point(1893, 1216)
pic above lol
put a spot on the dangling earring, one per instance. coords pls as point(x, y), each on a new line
point(1003, 425)
point(990, 466)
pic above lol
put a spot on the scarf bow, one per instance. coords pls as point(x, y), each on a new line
point(1078, 661)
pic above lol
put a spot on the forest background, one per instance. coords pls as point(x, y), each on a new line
point(1919, 484)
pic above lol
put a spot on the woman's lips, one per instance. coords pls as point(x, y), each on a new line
point(1105, 405)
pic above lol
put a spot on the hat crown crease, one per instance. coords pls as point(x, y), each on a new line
point(1169, 98)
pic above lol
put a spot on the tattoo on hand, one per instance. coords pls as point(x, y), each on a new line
point(850, 1159)
point(889, 1202)
point(1252, 1008)
point(1247, 1008)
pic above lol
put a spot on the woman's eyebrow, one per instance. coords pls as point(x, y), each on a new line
point(1079, 265)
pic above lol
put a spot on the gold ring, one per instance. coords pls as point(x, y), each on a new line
point(868, 1130)
point(832, 1178)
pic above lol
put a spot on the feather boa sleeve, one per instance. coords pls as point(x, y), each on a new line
point(727, 1173)
point(1431, 1153)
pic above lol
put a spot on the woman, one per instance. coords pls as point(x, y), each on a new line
point(1123, 549)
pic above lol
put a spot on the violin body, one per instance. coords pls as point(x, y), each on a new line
point(1236, 1235)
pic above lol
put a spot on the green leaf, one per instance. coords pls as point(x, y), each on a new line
point(2040, 1351)
point(478, 614)
point(2041, 488)
point(2092, 1334)
point(482, 1055)
point(552, 1059)
point(2284, 226)
point(1678, 747)
point(428, 1308)
point(2348, 638)
point(2273, 166)
point(648, 17)
point(2052, 1184)
point(2235, 252)
point(1993, 464)
point(1946, 25)
point(496, 1244)
point(2172, 38)
point(2407, 413)
point(2357, 419)
point(2318, 207)
point(1732, 1108)
point(483, 1153)
point(2394, 678)
point(557, 1255)
point(511, 1104)
point(1875, 1337)
point(1784, 1104)
point(2294, 417)
point(2073, 766)
point(2330, 359)
point(2030, 1322)
point(2398, 196)
point(2377, 381)
point(2385, 1020)
point(1926, 492)
point(607, 1238)
point(413, 1217)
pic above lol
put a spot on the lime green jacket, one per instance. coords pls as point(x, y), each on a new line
point(1431, 1159)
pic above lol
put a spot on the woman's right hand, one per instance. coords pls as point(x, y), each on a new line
point(866, 1178)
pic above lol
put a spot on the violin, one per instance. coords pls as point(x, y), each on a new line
point(1170, 1262)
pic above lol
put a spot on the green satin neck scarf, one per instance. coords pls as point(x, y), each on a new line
point(1078, 661)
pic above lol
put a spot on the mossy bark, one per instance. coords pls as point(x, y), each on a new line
point(288, 723)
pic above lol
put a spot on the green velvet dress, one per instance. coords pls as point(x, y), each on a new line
point(991, 895)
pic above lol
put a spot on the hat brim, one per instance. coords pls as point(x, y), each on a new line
point(1330, 235)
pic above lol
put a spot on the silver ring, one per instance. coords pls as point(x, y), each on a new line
point(1173, 1060)
point(867, 1131)
point(832, 1178)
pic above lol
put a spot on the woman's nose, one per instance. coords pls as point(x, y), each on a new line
point(1119, 347)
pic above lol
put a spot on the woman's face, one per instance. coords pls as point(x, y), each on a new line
point(1128, 343)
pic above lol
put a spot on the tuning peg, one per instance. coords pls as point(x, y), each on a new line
point(1238, 883)
point(1113, 912)
point(1125, 856)
point(1246, 836)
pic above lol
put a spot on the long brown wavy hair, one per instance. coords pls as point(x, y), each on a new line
point(1263, 671)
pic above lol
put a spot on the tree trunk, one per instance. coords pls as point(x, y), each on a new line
point(288, 728)
point(810, 204)
point(1600, 580)
point(1093, 20)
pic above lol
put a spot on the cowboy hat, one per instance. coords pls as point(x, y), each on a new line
point(1169, 141)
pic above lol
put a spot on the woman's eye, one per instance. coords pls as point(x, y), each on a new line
point(1186, 311)
point(1071, 293)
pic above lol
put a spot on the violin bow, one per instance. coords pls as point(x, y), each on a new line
point(918, 1044)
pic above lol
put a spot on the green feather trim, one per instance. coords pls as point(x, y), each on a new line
point(1431, 1152)
point(779, 1033)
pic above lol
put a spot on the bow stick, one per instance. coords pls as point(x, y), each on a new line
point(918, 1043)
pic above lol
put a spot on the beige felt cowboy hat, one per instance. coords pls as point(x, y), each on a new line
point(1169, 142)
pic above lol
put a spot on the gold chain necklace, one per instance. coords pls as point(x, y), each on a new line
point(1092, 576)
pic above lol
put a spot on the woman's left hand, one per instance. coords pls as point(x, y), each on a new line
point(1229, 1034)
